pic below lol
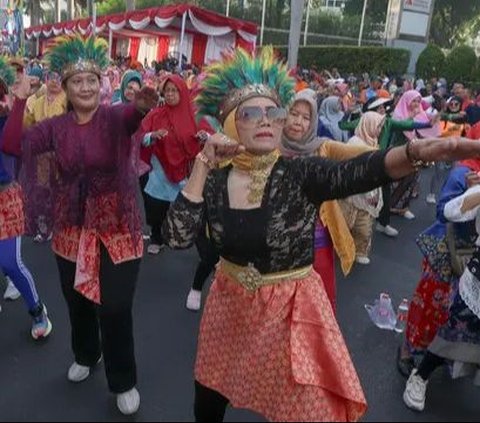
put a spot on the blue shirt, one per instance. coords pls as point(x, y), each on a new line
point(159, 186)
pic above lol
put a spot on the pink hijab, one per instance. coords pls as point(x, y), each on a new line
point(402, 112)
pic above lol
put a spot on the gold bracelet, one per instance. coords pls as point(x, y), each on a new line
point(204, 159)
point(414, 162)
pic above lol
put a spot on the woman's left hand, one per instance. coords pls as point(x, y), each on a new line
point(401, 161)
point(445, 149)
point(146, 99)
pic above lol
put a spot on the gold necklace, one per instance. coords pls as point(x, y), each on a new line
point(259, 169)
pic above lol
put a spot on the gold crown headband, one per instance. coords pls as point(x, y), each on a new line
point(240, 95)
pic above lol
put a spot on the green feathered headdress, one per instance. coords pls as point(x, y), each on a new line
point(7, 73)
point(240, 77)
point(73, 54)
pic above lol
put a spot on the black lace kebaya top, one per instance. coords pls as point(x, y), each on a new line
point(284, 225)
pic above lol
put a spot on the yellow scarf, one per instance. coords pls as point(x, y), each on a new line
point(259, 167)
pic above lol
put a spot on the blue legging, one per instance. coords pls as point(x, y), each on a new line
point(12, 265)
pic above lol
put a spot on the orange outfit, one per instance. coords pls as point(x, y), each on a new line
point(296, 367)
point(82, 246)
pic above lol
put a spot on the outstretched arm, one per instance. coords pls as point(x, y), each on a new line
point(324, 180)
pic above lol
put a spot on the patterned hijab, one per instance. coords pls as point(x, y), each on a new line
point(310, 142)
point(330, 115)
point(369, 128)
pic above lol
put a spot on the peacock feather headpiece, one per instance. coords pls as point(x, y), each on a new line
point(240, 77)
point(73, 54)
point(7, 73)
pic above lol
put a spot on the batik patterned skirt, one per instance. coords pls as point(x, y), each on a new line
point(278, 351)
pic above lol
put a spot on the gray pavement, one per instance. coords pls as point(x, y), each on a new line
point(33, 383)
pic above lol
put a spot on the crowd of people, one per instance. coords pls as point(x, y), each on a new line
point(273, 175)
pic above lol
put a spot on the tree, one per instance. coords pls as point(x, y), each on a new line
point(376, 9)
point(431, 62)
point(461, 65)
point(451, 19)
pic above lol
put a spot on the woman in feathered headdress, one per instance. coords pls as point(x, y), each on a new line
point(269, 341)
point(89, 204)
point(12, 226)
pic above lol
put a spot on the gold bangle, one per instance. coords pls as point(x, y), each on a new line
point(204, 159)
point(414, 161)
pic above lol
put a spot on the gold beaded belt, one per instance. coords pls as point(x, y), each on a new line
point(251, 279)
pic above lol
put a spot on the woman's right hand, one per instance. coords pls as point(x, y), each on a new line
point(22, 89)
point(158, 135)
point(473, 179)
point(220, 148)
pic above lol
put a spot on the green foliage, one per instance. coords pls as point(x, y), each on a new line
point(431, 62)
point(357, 60)
point(461, 65)
point(376, 9)
point(450, 19)
point(107, 7)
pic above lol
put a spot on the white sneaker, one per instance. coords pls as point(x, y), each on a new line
point(194, 300)
point(362, 260)
point(415, 392)
point(78, 373)
point(431, 199)
point(129, 402)
point(387, 230)
point(408, 215)
point(11, 293)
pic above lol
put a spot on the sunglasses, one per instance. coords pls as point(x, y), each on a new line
point(254, 115)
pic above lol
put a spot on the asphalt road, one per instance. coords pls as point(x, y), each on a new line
point(33, 383)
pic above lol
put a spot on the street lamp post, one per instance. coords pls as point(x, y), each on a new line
point(362, 23)
point(262, 30)
point(296, 18)
point(307, 19)
point(228, 9)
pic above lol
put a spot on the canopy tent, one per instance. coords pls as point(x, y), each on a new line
point(153, 34)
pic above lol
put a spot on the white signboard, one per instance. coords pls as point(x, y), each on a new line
point(415, 24)
point(422, 6)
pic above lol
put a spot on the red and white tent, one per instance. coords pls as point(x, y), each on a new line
point(153, 34)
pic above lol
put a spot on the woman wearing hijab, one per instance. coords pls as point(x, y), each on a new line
point(457, 341)
point(172, 132)
point(331, 115)
point(51, 104)
point(269, 341)
point(131, 83)
point(387, 137)
point(409, 107)
point(332, 235)
point(429, 306)
point(361, 210)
